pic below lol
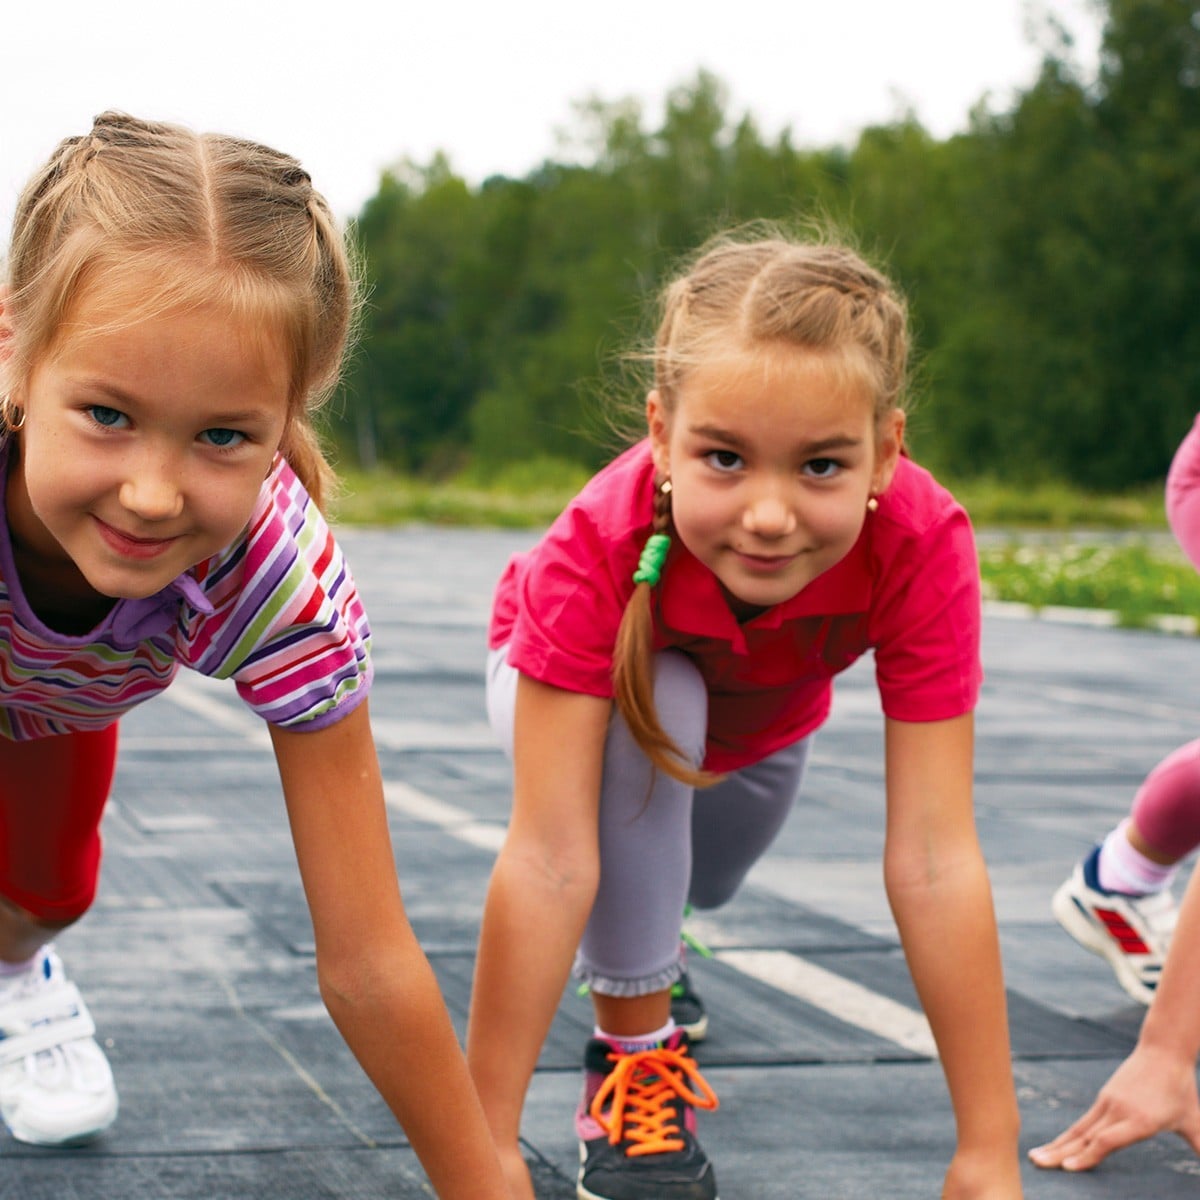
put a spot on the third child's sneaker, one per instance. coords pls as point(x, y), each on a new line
point(1132, 932)
point(56, 1087)
point(637, 1126)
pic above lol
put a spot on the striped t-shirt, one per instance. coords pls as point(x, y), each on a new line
point(277, 611)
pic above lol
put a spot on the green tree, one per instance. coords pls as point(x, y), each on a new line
point(1048, 253)
point(415, 376)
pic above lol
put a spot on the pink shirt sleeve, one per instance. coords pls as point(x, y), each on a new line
point(927, 623)
point(1183, 494)
point(571, 595)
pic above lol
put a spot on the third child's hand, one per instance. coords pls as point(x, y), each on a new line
point(1146, 1095)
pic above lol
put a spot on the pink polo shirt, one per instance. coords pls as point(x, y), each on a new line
point(908, 589)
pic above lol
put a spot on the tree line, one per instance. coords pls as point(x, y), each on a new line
point(1050, 254)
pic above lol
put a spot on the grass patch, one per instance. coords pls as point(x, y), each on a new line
point(521, 498)
point(1136, 580)
point(1059, 506)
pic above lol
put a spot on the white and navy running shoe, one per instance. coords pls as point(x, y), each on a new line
point(1132, 932)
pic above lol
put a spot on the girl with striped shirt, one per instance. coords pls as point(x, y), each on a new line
point(176, 305)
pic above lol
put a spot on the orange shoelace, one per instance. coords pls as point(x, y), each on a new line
point(642, 1085)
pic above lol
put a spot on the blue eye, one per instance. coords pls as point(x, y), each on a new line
point(110, 418)
point(223, 439)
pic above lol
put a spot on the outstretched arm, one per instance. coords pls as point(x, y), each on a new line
point(374, 978)
point(1154, 1090)
point(541, 892)
point(938, 888)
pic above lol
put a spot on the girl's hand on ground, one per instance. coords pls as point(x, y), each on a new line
point(1145, 1096)
point(516, 1173)
point(975, 1176)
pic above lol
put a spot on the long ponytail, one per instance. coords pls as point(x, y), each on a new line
point(633, 658)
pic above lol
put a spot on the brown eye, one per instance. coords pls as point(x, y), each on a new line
point(822, 468)
point(724, 460)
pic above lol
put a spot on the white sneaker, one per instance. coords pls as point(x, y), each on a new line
point(1132, 932)
point(56, 1087)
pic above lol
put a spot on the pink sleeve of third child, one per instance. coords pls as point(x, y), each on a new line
point(1183, 494)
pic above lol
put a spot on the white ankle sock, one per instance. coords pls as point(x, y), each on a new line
point(644, 1041)
point(1122, 868)
point(9, 969)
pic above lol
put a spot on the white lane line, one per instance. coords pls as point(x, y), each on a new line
point(844, 999)
point(848, 1001)
point(198, 695)
point(786, 972)
point(188, 692)
point(452, 820)
point(433, 735)
point(1135, 707)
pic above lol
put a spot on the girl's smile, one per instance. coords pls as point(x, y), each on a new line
point(766, 564)
point(773, 455)
point(144, 448)
point(133, 547)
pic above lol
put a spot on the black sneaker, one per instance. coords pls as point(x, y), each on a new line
point(637, 1125)
point(687, 1009)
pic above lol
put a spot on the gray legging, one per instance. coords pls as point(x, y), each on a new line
point(661, 842)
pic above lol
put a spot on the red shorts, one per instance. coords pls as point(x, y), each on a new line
point(52, 796)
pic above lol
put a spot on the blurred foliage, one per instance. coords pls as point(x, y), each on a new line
point(1135, 581)
point(1055, 505)
point(523, 496)
point(1050, 253)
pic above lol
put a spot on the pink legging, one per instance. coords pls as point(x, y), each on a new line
point(1166, 809)
point(52, 795)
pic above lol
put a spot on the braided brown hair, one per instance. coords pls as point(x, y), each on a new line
point(748, 290)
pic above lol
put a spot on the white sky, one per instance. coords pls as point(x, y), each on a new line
point(354, 85)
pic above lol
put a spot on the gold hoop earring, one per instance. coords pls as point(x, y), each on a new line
point(7, 420)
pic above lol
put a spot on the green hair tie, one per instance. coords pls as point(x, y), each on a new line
point(654, 554)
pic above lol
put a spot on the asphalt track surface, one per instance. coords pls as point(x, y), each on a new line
point(197, 959)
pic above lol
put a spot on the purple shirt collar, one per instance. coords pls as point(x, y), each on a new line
point(126, 624)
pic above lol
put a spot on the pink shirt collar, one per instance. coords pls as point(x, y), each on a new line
point(691, 600)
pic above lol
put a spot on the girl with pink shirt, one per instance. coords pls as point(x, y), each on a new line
point(659, 663)
point(175, 306)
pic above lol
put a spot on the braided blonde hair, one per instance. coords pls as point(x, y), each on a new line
point(193, 219)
